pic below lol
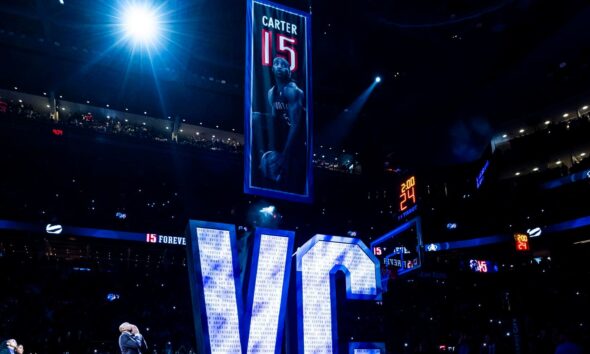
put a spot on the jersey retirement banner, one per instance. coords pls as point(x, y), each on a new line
point(278, 137)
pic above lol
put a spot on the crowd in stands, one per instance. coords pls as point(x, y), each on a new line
point(89, 178)
point(527, 307)
point(10, 346)
point(114, 125)
point(72, 300)
point(542, 147)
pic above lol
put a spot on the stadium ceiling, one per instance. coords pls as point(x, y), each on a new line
point(452, 70)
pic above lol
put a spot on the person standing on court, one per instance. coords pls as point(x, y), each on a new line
point(130, 340)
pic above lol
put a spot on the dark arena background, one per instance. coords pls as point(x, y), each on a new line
point(451, 137)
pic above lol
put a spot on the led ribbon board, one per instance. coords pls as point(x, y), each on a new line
point(214, 273)
point(317, 263)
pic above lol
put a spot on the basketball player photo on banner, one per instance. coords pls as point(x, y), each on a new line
point(278, 138)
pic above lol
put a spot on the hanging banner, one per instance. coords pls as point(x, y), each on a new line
point(278, 136)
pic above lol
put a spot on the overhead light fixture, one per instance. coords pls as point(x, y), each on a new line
point(558, 162)
point(504, 136)
point(535, 169)
point(565, 115)
point(517, 174)
point(521, 131)
point(547, 122)
point(585, 107)
point(141, 24)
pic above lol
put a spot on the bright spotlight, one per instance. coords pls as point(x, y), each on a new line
point(141, 24)
point(378, 79)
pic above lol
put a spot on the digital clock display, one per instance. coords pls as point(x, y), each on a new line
point(407, 197)
point(522, 242)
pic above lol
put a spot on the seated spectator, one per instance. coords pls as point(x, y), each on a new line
point(8, 347)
